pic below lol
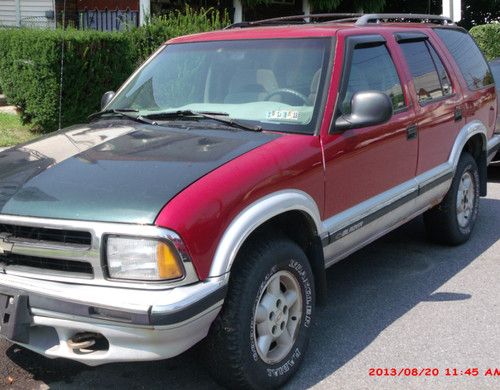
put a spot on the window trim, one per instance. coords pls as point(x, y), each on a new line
point(353, 42)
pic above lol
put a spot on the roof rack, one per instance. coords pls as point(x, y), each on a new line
point(296, 19)
point(423, 18)
point(358, 19)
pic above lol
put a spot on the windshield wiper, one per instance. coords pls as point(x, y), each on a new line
point(124, 112)
point(221, 117)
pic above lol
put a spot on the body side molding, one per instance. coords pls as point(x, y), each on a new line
point(354, 220)
point(254, 216)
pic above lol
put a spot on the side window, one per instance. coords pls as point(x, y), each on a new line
point(429, 75)
point(372, 68)
point(468, 57)
point(443, 75)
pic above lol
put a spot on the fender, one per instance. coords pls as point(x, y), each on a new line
point(467, 132)
point(254, 216)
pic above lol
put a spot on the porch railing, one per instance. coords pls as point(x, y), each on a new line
point(107, 20)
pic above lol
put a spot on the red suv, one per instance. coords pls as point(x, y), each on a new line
point(207, 198)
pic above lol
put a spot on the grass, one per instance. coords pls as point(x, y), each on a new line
point(12, 132)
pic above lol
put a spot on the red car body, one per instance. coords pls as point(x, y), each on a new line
point(337, 170)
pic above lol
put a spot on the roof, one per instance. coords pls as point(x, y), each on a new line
point(294, 31)
point(315, 25)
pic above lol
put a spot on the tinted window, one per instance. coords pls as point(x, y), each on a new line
point(467, 56)
point(372, 68)
point(443, 75)
point(430, 77)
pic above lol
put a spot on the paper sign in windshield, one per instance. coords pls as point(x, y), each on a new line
point(287, 115)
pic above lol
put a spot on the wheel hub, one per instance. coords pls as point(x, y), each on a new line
point(465, 199)
point(277, 315)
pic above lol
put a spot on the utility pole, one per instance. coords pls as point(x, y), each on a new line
point(453, 9)
point(144, 11)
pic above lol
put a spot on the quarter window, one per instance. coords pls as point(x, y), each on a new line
point(429, 75)
point(468, 57)
point(372, 69)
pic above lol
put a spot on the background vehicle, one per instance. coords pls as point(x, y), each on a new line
point(495, 69)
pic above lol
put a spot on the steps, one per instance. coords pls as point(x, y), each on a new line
point(5, 108)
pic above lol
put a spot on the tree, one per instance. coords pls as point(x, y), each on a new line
point(347, 5)
point(477, 12)
point(335, 5)
point(474, 12)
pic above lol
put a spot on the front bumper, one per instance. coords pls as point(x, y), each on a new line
point(137, 324)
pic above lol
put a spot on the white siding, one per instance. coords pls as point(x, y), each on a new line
point(32, 12)
point(35, 8)
point(7, 13)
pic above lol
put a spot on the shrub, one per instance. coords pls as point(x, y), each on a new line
point(146, 39)
point(94, 62)
point(487, 37)
point(30, 72)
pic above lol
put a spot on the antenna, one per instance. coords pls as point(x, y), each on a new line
point(62, 64)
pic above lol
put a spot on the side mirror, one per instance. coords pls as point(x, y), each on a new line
point(368, 108)
point(106, 98)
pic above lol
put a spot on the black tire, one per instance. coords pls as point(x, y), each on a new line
point(442, 222)
point(231, 353)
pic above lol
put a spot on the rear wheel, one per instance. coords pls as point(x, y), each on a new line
point(452, 221)
point(260, 337)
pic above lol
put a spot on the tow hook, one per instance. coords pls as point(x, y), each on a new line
point(83, 341)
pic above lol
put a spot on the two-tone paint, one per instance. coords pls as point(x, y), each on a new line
point(345, 188)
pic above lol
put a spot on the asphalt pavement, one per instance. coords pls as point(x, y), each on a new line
point(401, 306)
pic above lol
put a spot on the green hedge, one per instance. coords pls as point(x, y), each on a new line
point(148, 38)
point(94, 62)
point(30, 72)
point(487, 37)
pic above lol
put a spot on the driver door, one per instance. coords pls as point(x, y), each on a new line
point(368, 168)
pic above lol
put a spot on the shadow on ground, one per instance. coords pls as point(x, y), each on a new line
point(367, 292)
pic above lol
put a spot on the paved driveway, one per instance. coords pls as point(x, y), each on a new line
point(401, 302)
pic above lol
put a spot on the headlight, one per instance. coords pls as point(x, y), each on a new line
point(142, 259)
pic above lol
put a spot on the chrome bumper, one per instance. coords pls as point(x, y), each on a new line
point(137, 324)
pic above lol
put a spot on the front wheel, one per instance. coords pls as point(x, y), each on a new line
point(260, 337)
point(452, 221)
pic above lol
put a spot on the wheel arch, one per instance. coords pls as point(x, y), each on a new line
point(472, 138)
point(282, 210)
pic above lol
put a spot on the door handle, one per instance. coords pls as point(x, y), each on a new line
point(458, 114)
point(411, 132)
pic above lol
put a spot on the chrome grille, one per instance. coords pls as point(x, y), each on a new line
point(70, 250)
point(20, 262)
point(49, 235)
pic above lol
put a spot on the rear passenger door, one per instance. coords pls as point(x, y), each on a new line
point(363, 163)
point(437, 99)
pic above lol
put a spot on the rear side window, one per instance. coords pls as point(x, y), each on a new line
point(468, 57)
point(429, 75)
point(372, 69)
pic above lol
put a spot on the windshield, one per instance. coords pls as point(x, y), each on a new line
point(275, 83)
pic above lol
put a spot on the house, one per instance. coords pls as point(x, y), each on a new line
point(29, 13)
point(113, 15)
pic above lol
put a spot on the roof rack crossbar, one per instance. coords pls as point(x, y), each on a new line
point(358, 19)
point(379, 18)
point(298, 19)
